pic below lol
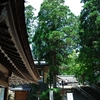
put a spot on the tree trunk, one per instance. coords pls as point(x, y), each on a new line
point(54, 64)
point(54, 80)
point(83, 79)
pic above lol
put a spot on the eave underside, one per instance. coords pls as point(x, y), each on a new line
point(15, 54)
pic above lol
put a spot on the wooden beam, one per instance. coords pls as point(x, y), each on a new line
point(3, 69)
point(3, 2)
point(3, 83)
point(13, 63)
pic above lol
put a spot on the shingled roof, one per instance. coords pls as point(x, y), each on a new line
point(15, 53)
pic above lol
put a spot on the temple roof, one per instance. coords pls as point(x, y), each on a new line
point(15, 53)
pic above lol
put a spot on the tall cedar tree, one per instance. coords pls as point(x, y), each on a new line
point(56, 34)
point(90, 39)
point(29, 20)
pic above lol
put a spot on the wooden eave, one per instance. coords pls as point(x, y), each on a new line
point(15, 52)
point(15, 80)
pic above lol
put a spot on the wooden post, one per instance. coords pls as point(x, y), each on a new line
point(6, 93)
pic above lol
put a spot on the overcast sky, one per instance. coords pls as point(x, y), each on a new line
point(74, 5)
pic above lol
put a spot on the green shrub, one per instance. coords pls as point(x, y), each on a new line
point(56, 94)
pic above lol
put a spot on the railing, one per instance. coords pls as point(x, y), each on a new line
point(85, 94)
point(96, 88)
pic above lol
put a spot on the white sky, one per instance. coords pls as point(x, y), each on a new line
point(74, 5)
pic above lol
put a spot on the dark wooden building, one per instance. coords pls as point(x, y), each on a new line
point(15, 55)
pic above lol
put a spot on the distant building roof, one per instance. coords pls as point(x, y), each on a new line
point(70, 78)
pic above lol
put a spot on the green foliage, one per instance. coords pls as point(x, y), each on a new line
point(73, 66)
point(29, 19)
point(54, 69)
point(33, 93)
point(56, 92)
point(56, 34)
point(44, 95)
point(56, 31)
point(90, 42)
